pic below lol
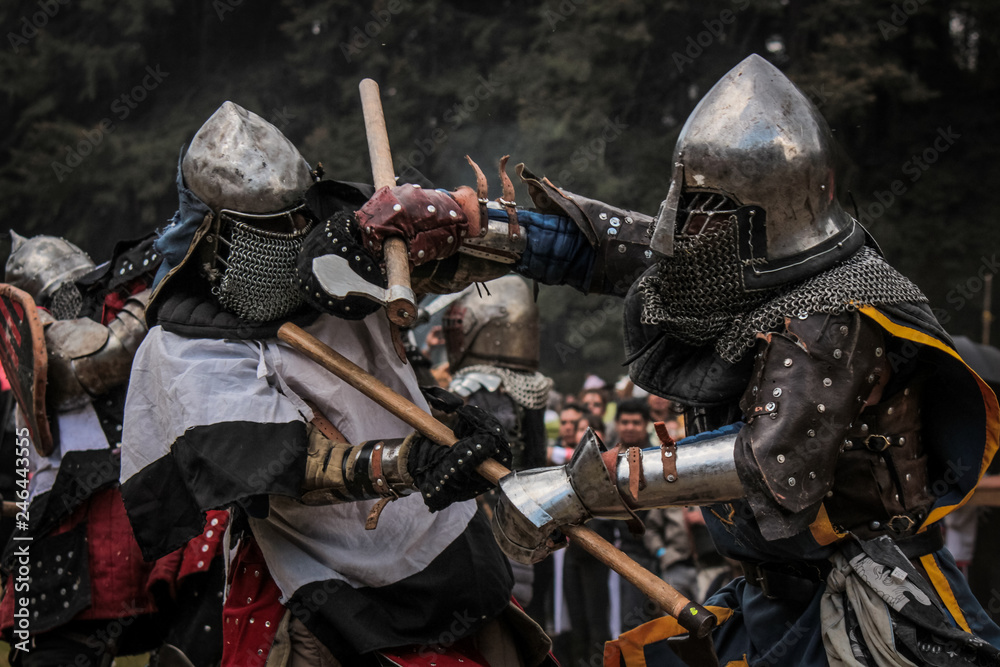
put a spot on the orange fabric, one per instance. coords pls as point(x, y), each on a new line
point(822, 530)
point(943, 588)
point(630, 645)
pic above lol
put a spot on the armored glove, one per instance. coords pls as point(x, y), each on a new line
point(432, 222)
point(446, 475)
point(338, 235)
point(534, 503)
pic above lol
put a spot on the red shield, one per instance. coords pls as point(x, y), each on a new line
point(25, 362)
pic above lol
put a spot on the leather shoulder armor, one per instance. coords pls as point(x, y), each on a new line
point(810, 383)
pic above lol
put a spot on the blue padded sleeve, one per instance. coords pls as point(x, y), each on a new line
point(557, 252)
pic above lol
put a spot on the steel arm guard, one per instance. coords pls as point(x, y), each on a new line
point(534, 503)
point(87, 359)
point(337, 472)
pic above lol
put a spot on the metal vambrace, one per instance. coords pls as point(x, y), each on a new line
point(337, 472)
point(87, 358)
point(534, 503)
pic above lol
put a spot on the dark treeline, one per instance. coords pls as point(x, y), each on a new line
point(98, 96)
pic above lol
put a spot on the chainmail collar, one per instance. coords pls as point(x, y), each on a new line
point(528, 389)
point(863, 279)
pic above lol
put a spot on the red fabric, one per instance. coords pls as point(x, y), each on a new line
point(426, 220)
point(252, 612)
point(4, 384)
point(194, 557)
point(115, 301)
point(118, 574)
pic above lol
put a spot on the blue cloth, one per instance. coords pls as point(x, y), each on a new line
point(175, 239)
point(557, 252)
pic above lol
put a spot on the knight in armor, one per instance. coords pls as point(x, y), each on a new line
point(356, 541)
point(831, 423)
point(91, 596)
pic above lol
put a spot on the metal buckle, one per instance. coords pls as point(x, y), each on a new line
point(885, 442)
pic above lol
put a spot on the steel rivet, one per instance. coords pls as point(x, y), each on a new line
point(668, 454)
point(397, 208)
point(603, 216)
point(612, 231)
point(788, 362)
point(791, 481)
point(781, 458)
point(811, 433)
point(648, 253)
point(776, 392)
point(837, 354)
point(621, 248)
point(420, 253)
point(670, 478)
point(827, 382)
point(821, 408)
point(878, 352)
point(812, 475)
point(770, 406)
point(430, 208)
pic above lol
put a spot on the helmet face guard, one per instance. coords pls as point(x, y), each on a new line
point(756, 140)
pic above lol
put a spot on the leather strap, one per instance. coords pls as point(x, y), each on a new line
point(482, 192)
point(507, 200)
point(668, 452)
point(636, 479)
point(324, 425)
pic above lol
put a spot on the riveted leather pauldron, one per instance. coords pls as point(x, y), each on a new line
point(809, 384)
point(881, 484)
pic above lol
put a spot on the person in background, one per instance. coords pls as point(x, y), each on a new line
point(562, 447)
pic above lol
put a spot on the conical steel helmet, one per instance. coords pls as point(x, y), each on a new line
point(42, 264)
point(499, 328)
point(240, 162)
point(756, 139)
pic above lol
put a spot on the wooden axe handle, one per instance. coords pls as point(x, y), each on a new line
point(401, 308)
point(692, 616)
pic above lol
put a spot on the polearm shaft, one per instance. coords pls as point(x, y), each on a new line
point(693, 617)
point(402, 309)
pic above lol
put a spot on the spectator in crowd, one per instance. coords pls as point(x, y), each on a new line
point(631, 423)
point(562, 447)
point(663, 410)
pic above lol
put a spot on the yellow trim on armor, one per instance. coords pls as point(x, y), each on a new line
point(943, 588)
point(629, 645)
point(822, 530)
point(739, 663)
point(989, 399)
